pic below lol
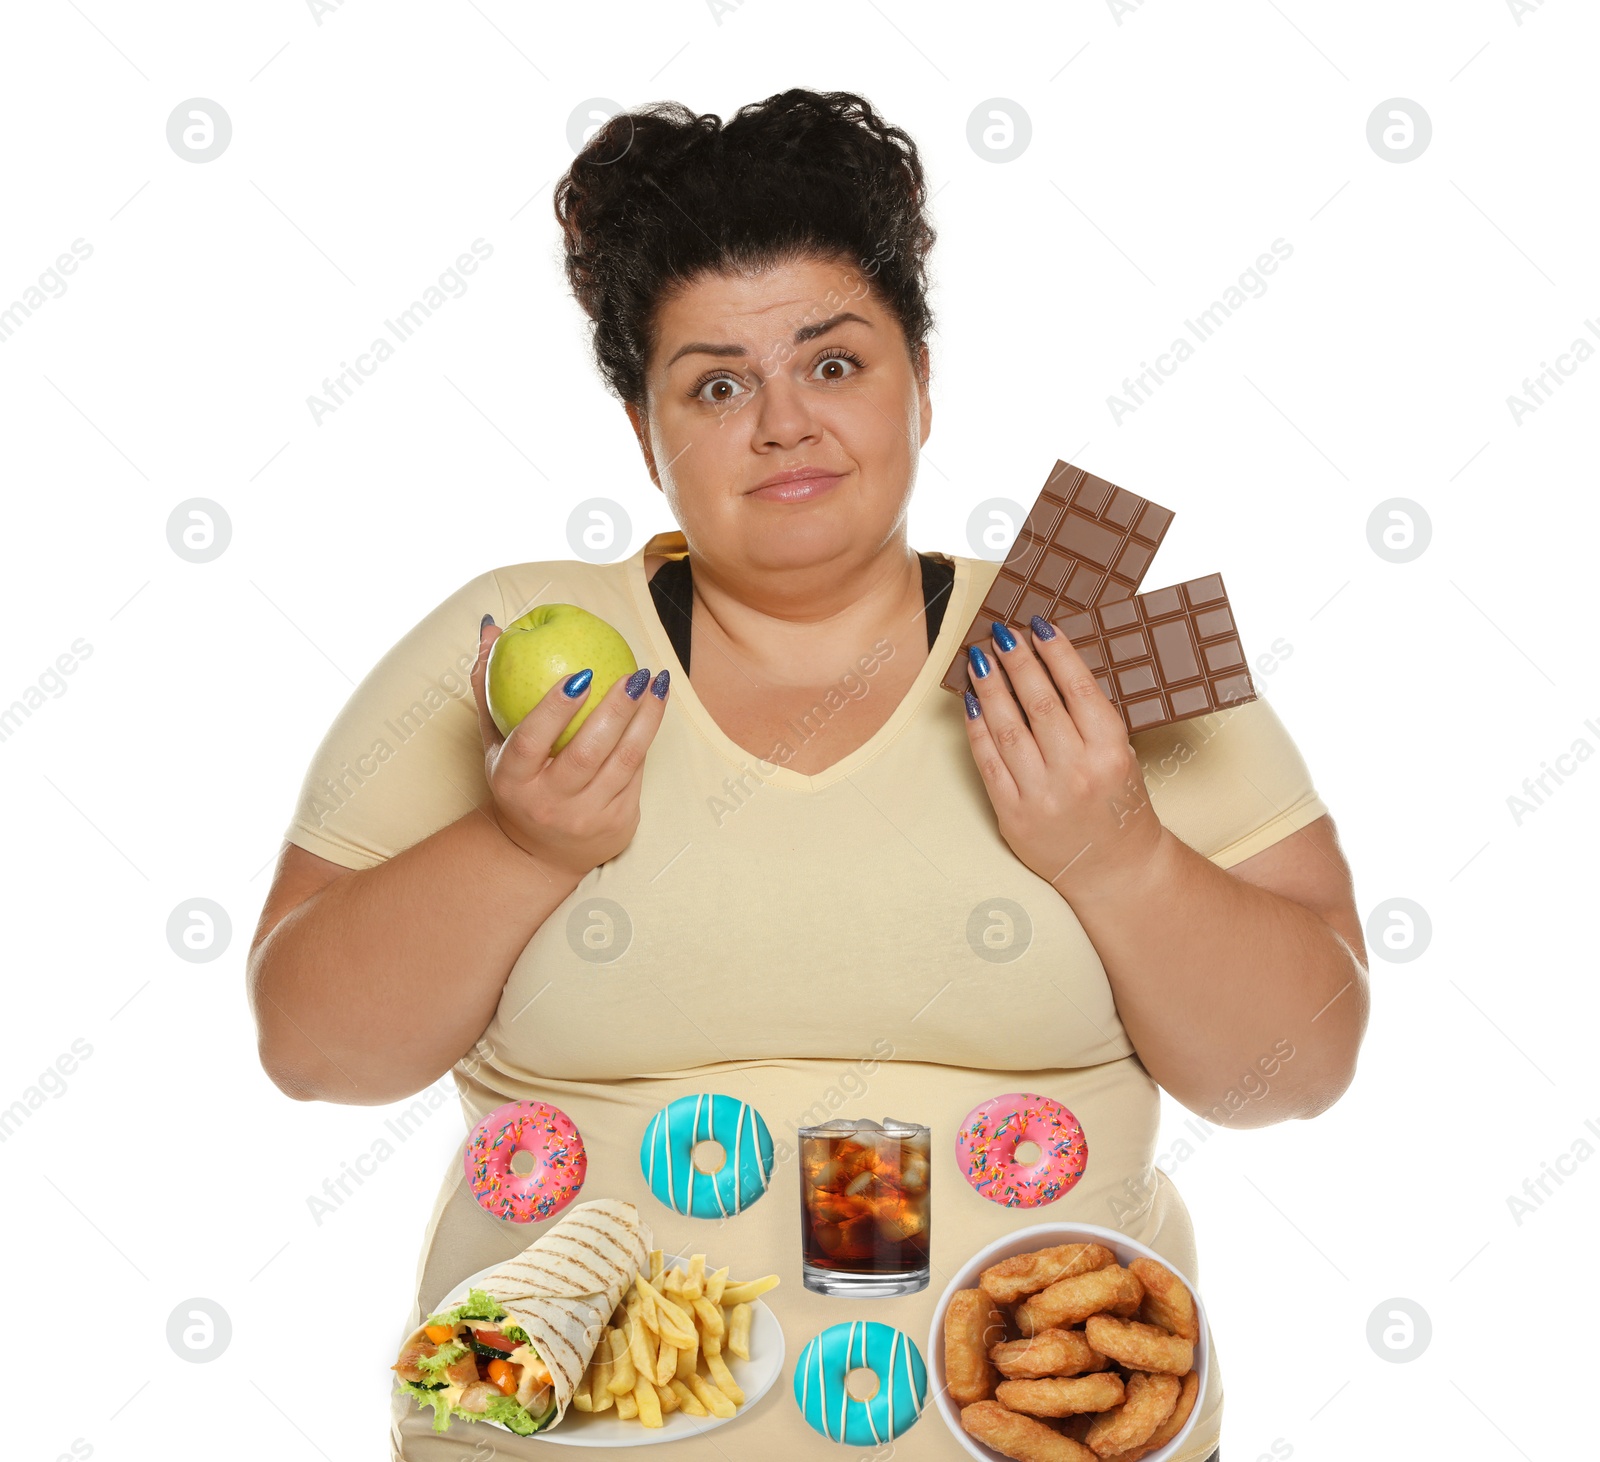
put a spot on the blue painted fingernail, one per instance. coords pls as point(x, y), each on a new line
point(1002, 635)
point(485, 622)
point(577, 684)
point(1042, 627)
point(636, 684)
point(974, 709)
point(980, 661)
point(658, 686)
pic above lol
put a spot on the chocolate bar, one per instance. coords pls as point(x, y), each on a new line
point(1086, 542)
point(1164, 656)
point(1159, 657)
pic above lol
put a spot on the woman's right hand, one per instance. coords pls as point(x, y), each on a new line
point(574, 810)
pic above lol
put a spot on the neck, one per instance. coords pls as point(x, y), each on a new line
point(804, 626)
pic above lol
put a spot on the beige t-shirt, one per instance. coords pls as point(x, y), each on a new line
point(860, 942)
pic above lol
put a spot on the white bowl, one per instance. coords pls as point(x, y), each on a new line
point(1042, 1236)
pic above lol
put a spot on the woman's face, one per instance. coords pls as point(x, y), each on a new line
point(755, 375)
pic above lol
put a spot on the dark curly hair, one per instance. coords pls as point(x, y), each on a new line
point(660, 197)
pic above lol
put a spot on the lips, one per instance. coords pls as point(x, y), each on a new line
point(797, 486)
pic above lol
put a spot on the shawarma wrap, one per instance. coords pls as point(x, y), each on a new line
point(514, 1351)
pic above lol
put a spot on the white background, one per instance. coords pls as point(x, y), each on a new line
point(1170, 146)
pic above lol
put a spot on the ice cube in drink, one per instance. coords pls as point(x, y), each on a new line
point(864, 1207)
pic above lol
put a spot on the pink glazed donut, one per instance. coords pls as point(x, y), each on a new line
point(558, 1168)
point(986, 1149)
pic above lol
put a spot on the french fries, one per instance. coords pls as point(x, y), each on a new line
point(724, 1378)
point(642, 1350)
point(622, 1377)
point(711, 1398)
point(602, 1398)
point(738, 1339)
point(671, 1320)
point(688, 1358)
point(710, 1317)
point(687, 1400)
point(750, 1289)
point(649, 1403)
point(666, 1347)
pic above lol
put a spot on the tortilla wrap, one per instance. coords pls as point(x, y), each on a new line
point(563, 1288)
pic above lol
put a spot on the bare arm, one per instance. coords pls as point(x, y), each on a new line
point(1244, 990)
point(368, 985)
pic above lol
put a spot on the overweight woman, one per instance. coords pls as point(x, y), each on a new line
point(783, 864)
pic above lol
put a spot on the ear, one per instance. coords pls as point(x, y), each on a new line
point(641, 434)
point(924, 398)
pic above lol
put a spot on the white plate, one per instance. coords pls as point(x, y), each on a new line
point(1043, 1236)
point(583, 1429)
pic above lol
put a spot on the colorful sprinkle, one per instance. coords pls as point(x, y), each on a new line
point(560, 1162)
point(986, 1149)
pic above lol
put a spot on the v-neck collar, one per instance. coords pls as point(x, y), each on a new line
point(956, 619)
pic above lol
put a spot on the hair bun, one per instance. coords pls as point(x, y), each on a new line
point(661, 195)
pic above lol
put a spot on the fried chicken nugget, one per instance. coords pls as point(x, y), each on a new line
point(1056, 1396)
point(1077, 1427)
point(1127, 1307)
point(973, 1325)
point(1014, 1435)
point(1051, 1352)
point(1163, 1433)
point(1151, 1398)
point(1139, 1346)
point(1175, 1424)
point(1167, 1301)
point(1069, 1300)
point(1024, 1274)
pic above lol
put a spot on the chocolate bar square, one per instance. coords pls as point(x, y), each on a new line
point(1164, 656)
point(1078, 560)
point(1085, 542)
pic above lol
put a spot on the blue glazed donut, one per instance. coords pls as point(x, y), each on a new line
point(819, 1388)
point(665, 1155)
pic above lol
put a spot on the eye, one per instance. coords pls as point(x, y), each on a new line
point(715, 377)
point(711, 378)
point(839, 353)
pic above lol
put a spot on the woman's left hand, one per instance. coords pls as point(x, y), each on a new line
point(1064, 780)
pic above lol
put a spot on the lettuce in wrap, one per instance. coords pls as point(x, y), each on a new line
point(516, 1350)
point(469, 1362)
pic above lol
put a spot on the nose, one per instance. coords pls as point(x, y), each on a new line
point(783, 414)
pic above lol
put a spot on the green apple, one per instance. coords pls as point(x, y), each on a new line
point(546, 645)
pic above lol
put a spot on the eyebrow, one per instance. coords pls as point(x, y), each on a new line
point(803, 334)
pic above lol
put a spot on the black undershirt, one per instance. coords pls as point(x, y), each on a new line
point(672, 588)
